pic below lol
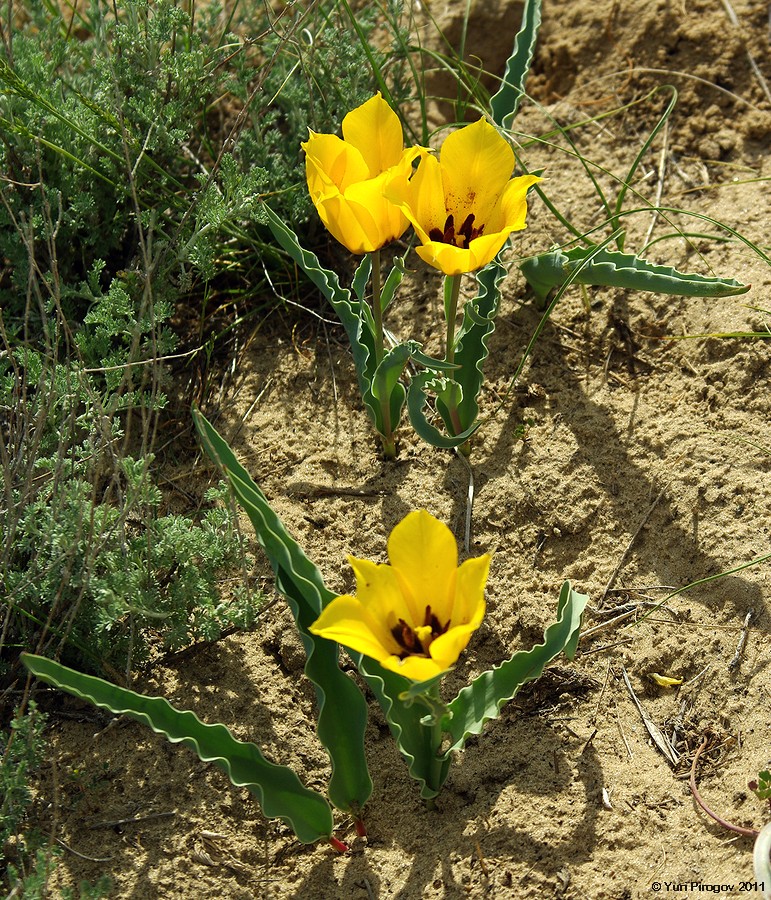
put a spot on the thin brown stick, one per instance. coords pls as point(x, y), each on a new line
point(96, 859)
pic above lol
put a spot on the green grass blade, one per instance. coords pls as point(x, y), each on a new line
point(638, 159)
point(484, 697)
point(17, 85)
point(505, 103)
point(278, 790)
point(377, 71)
point(342, 717)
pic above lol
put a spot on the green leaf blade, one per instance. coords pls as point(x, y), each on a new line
point(611, 268)
point(278, 790)
point(342, 717)
point(482, 700)
point(505, 103)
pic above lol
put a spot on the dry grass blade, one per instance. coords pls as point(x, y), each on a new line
point(629, 546)
point(658, 737)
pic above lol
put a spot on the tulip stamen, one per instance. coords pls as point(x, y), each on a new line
point(407, 639)
point(436, 626)
point(412, 645)
point(464, 235)
point(468, 231)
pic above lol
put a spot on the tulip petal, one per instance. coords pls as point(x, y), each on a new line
point(469, 608)
point(424, 556)
point(448, 258)
point(416, 668)
point(510, 213)
point(375, 131)
point(351, 224)
point(369, 205)
point(347, 621)
point(421, 198)
point(484, 249)
point(446, 649)
point(330, 159)
point(378, 589)
point(476, 165)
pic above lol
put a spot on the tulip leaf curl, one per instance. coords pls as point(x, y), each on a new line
point(278, 790)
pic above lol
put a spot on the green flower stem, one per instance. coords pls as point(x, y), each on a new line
point(387, 437)
point(437, 711)
point(451, 295)
point(436, 761)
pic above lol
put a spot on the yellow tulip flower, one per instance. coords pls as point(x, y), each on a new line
point(346, 177)
point(464, 205)
point(417, 614)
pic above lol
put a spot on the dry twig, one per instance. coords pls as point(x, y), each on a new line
point(737, 657)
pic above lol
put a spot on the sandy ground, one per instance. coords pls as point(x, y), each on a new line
point(627, 458)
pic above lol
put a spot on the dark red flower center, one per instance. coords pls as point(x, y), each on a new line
point(460, 238)
point(411, 644)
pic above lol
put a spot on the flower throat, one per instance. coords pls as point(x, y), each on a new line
point(412, 644)
point(460, 238)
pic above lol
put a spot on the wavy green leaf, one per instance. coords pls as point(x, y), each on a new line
point(505, 103)
point(278, 790)
point(349, 311)
point(483, 698)
point(611, 268)
point(414, 740)
point(342, 717)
